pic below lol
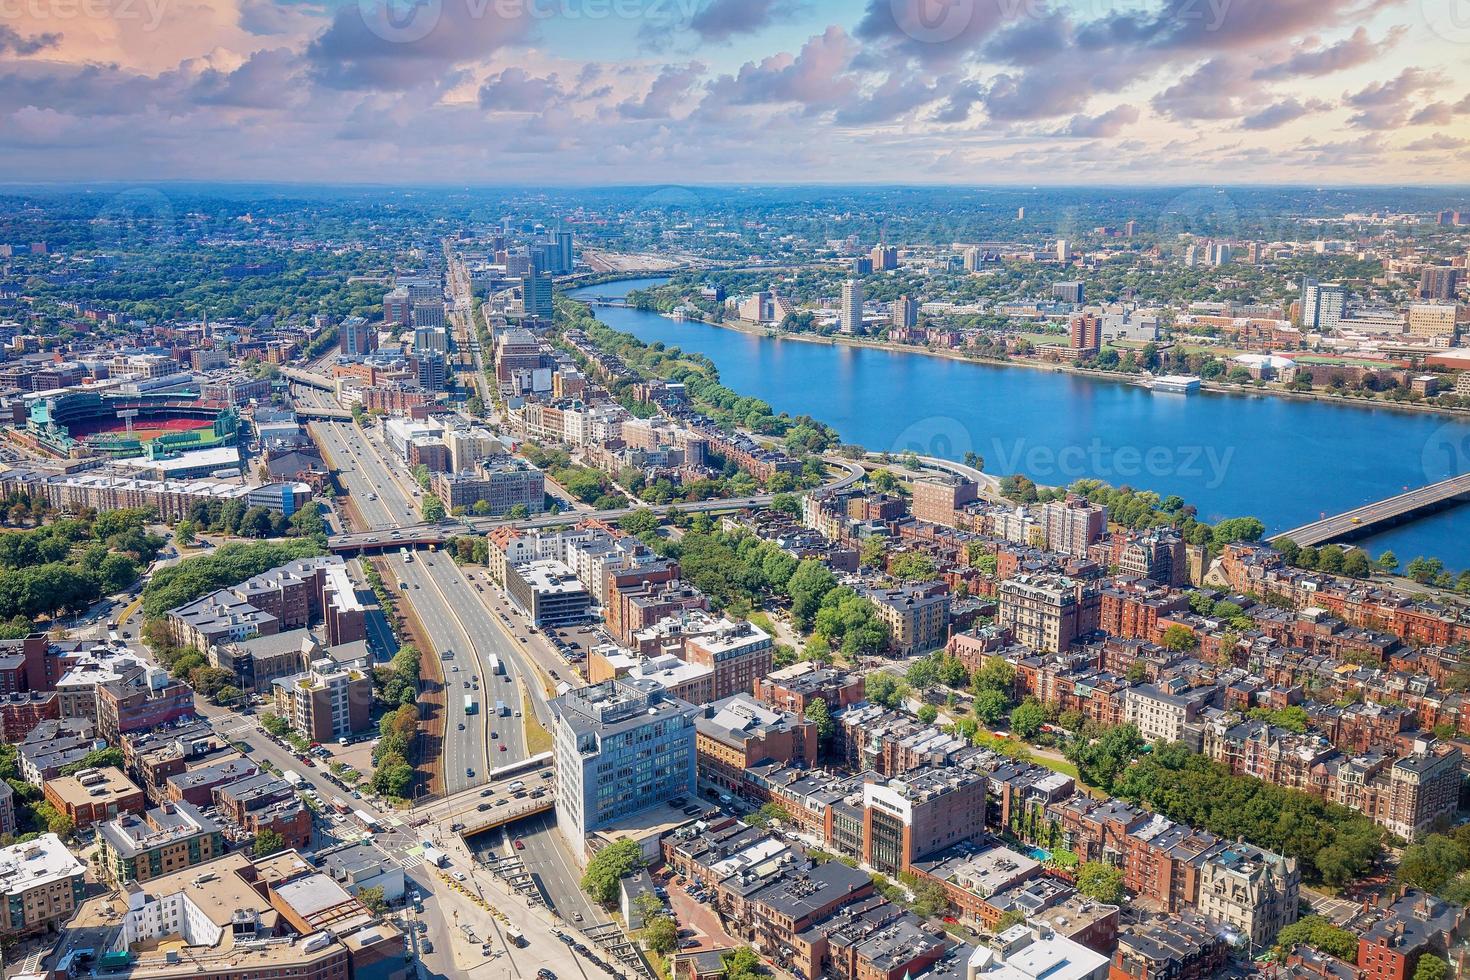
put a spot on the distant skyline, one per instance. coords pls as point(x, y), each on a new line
point(980, 92)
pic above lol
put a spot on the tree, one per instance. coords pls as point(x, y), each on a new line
point(885, 689)
point(184, 533)
point(1138, 671)
point(1100, 761)
point(372, 897)
point(1027, 718)
point(914, 566)
point(609, 866)
point(991, 706)
point(742, 964)
point(1356, 564)
point(432, 509)
point(1388, 562)
point(1431, 967)
point(1101, 881)
point(808, 585)
point(786, 503)
point(274, 724)
point(1011, 918)
point(269, 841)
point(1430, 864)
point(922, 674)
point(660, 934)
point(928, 714)
point(874, 552)
point(1179, 638)
point(821, 716)
point(1320, 934)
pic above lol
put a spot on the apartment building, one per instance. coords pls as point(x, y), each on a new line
point(91, 796)
point(1252, 889)
point(917, 616)
point(327, 702)
point(160, 841)
point(1069, 526)
point(1048, 612)
point(620, 749)
point(734, 734)
point(42, 884)
point(937, 498)
point(918, 814)
point(739, 653)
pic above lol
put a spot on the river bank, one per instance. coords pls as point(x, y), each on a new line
point(1121, 377)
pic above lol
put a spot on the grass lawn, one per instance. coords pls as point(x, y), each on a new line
point(538, 739)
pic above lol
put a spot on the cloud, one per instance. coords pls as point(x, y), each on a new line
point(961, 101)
point(1384, 105)
point(1211, 91)
point(11, 42)
point(1358, 49)
point(932, 32)
point(1283, 112)
point(1109, 124)
point(392, 45)
point(517, 90)
point(265, 81)
point(899, 94)
point(720, 20)
point(669, 91)
point(814, 77)
point(1439, 141)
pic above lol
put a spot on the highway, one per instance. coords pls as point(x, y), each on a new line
point(1391, 510)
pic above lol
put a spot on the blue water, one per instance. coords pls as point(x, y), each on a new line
point(1286, 462)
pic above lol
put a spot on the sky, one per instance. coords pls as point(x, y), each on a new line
point(474, 92)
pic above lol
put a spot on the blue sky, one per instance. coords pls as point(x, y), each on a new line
point(629, 91)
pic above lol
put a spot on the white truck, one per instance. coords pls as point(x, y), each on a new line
point(435, 858)
point(292, 777)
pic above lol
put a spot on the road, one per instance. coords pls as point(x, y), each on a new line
point(1361, 520)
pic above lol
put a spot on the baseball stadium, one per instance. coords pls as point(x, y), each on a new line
point(121, 425)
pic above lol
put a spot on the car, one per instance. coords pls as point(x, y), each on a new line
point(488, 792)
point(466, 685)
point(502, 747)
point(455, 828)
point(469, 773)
point(577, 916)
point(483, 807)
point(520, 844)
point(454, 668)
point(458, 876)
point(461, 726)
point(545, 974)
point(427, 947)
point(494, 734)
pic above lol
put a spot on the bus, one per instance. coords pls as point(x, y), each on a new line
point(469, 705)
point(405, 554)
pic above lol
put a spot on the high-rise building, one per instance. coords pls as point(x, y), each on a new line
point(1130, 228)
point(1439, 282)
point(398, 307)
point(1070, 525)
point(356, 337)
point(536, 300)
point(430, 339)
point(862, 265)
point(566, 256)
point(905, 312)
point(1322, 305)
point(851, 319)
point(621, 748)
point(884, 257)
point(1086, 333)
point(1069, 292)
point(1219, 254)
point(431, 370)
point(428, 313)
point(1021, 213)
point(1064, 250)
point(973, 258)
point(1434, 322)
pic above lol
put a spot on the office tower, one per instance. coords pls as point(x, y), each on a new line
point(547, 257)
point(1220, 254)
point(851, 319)
point(1439, 282)
point(1191, 256)
point(905, 312)
point(1021, 214)
point(1068, 292)
point(1130, 228)
point(1434, 322)
point(1064, 250)
point(1255, 251)
point(884, 257)
point(1322, 305)
point(518, 263)
point(398, 307)
point(536, 302)
point(1087, 333)
point(862, 266)
point(431, 370)
point(1446, 218)
point(567, 260)
point(973, 258)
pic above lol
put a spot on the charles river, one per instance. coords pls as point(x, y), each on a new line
point(1285, 461)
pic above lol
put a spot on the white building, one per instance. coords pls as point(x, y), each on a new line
point(1031, 952)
